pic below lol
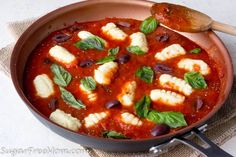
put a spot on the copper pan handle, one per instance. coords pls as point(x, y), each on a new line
point(211, 150)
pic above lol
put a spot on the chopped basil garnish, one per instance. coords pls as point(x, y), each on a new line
point(145, 73)
point(142, 106)
point(195, 79)
point(172, 119)
point(196, 50)
point(135, 50)
point(61, 76)
point(113, 134)
point(113, 51)
point(106, 59)
point(88, 83)
point(93, 42)
point(149, 25)
point(70, 99)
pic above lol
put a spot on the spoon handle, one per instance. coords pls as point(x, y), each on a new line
point(223, 28)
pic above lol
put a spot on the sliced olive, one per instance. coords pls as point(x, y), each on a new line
point(162, 68)
point(124, 58)
point(112, 104)
point(86, 63)
point(160, 129)
point(123, 24)
point(162, 37)
point(59, 38)
point(198, 103)
point(53, 104)
point(47, 61)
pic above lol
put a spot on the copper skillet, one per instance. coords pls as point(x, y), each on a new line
point(99, 9)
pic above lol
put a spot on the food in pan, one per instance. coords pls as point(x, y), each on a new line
point(121, 78)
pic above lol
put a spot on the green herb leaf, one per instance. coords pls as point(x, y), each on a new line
point(88, 83)
point(113, 51)
point(149, 25)
point(135, 50)
point(145, 73)
point(195, 79)
point(61, 76)
point(106, 59)
point(196, 50)
point(172, 119)
point(142, 106)
point(113, 134)
point(93, 42)
point(70, 99)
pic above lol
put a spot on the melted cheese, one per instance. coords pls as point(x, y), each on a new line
point(139, 39)
point(130, 119)
point(104, 73)
point(128, 93)
point(43, 86)
point(62, 55)
point(194, 65)
point(169, 52)
point(168, 81)
point(111, 30)
point(65, 120)
point(166, 97)
point(94, 118)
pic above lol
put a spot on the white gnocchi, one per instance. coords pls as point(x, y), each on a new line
point(130, 119)
point(194, 65)
point(91, 95)
point(139, 39)
point(65, 120)
point(43, 86)
point(93, 118)
point(166, 97)
point(62, 55)
point(104, 73)
point(175, 83)
point(128, 93)
point(111, 30)
point(169, 52)
point(85, 34)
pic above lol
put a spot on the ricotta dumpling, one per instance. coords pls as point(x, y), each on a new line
point(105, 73)
point(194, 65)
point(169, 52)
point(94, 118)
point(91, 95)
point(62, 55)
point(129, 118)
point(166, 97)
point(171, 82)
point(139, 39)
point(43, 86)
point(65, 120)
point(112, 31)
point(127, 95)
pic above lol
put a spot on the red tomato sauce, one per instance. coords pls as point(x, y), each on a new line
point(126, 72)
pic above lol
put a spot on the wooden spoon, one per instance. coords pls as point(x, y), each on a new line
point(187, 20)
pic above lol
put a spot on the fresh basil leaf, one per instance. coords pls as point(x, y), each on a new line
point(113, 51)
point(195, 79)
point(88, 83)
point(172, 119)
point(93, 42)
point(142, 106)
point(106, 59)
point(196, 50)
point(113, 134)
point(70, 99)
point(149, 25)
point(61, 76)
point(135, 50)
point(145, 73)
